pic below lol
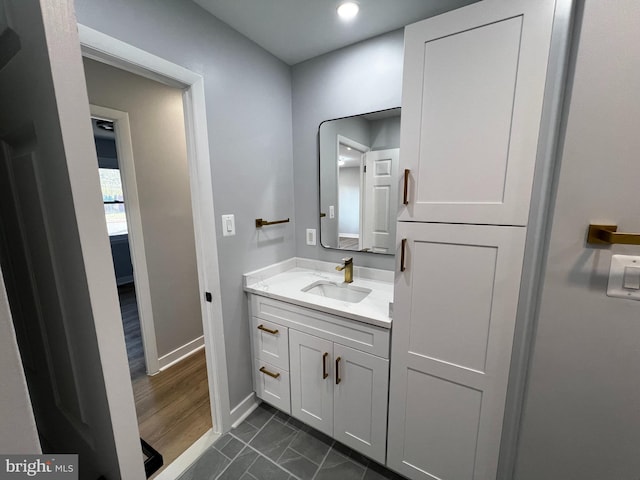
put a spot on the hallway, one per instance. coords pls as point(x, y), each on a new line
point(172, 407)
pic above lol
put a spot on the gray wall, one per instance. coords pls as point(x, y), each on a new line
point(361, 78)
point(156, 119)
point(17, 425)
point(581, 415)
point(248, 95)
point(349, 194)
point(385, 133)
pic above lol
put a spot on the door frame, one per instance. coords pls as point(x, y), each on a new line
point(364, 149)
point(124, 149)
point(103, 48)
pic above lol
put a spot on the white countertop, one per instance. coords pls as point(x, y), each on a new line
point(285, 281)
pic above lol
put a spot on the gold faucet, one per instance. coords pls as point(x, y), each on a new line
point(347, 266)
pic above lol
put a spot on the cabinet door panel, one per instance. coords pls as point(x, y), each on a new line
point(360, 401)
point(473, 92)
point(455, 310)
point(311, 391)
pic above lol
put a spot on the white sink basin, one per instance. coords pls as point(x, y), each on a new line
point(338, 291)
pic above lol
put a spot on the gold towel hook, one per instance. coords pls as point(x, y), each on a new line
point(609, 235)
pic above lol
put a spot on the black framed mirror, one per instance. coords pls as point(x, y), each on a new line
point(359, 158)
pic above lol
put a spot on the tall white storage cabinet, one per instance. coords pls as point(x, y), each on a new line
point(474, 82)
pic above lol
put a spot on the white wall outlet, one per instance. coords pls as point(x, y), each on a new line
point(311, 236)
point(228, 225)
point(332, 211)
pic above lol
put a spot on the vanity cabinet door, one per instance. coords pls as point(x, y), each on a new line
point(453, 326)
point(361, 386)
point(473, 87)
point(311, 380)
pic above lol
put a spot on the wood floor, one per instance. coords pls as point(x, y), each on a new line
point(173, 406)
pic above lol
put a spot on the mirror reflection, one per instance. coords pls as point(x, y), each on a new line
point(359, 158)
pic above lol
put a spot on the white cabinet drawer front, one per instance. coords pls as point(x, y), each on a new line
point(272, 385)
point(271, 342)
point(360, 401)
point(358, 335)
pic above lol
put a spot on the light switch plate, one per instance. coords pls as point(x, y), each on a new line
point(311, 236)
point(228, 225)
point(623, 277)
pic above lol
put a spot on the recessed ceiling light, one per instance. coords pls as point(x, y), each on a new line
point(348, 10)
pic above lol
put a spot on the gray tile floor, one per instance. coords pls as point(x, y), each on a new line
point(270, 445)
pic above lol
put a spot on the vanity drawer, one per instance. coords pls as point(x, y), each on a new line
point(272, 385)
point(270, 342)
point(345, 331)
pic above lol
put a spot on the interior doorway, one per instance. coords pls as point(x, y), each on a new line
point(105, 49)
point(171, 400)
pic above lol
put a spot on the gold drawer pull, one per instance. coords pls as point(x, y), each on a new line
point(267, 372)
point(403, 247)
point(268, 330)
point(405, 191)
point(324, 365)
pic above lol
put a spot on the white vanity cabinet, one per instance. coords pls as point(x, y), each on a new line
point(340, 391)
point(334, 372)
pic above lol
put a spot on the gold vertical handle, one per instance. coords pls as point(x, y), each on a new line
point(267, 372)
point(405, 194)
point(403, 267)
point(338, 379)
point(268, 330)
point(324, 365)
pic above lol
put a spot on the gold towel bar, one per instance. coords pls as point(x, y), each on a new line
point(261, 223)
point(608, 235)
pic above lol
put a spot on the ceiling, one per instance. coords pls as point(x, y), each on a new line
point(297, 30)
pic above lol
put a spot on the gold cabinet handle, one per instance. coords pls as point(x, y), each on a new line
point(405, 194)
point(268, 330)
point(338, 379)
point(403, 247)
point(267, 372)
point(324, 365)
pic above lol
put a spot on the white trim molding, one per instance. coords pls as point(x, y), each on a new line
point(180, 353)
point(244, 409)
point(124, 149)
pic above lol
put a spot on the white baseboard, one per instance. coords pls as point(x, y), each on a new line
point(181, 353)
point(190, 455)
point(244, 409)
